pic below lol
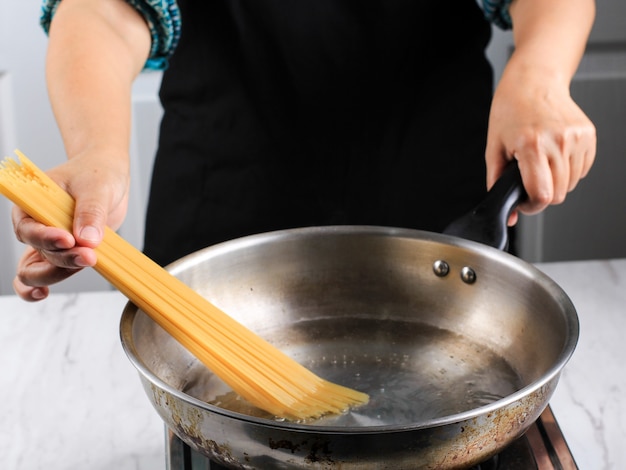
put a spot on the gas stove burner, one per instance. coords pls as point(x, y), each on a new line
point(541, 448)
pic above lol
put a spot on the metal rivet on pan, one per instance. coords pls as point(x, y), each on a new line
point(468, 275)
point(441, 268)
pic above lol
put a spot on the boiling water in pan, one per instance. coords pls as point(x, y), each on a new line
point(412, 371)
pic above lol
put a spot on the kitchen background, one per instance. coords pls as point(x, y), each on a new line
point(591, 224)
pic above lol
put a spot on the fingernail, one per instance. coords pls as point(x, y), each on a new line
point(80, 262)
point(38, 294)
point(90, 234)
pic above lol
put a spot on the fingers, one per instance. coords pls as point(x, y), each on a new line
point(89, 221)
point(583, 153)
point(29, 294)
point(35, 273)
point(52, 256)
point(92, 194)
point(55, 245)
point(541, 174)
point(552, 164)
point(31, 232)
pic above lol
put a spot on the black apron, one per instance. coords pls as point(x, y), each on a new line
point(282, 114)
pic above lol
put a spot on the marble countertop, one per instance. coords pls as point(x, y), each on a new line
point(70, 399)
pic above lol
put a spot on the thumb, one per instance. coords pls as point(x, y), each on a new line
point(90, 218)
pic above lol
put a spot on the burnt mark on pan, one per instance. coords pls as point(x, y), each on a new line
point(285, 444)
point(319, 451)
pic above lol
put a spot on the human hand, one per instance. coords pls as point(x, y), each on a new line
point(53, 254)
point(535, 121)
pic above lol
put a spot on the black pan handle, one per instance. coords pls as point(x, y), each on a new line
point(487, 222)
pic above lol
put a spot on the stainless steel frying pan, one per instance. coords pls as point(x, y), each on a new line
point(460, 346)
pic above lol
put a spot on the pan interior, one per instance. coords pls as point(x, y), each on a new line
point(412, 371)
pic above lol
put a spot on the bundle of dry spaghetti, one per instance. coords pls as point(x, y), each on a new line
point(253, 368)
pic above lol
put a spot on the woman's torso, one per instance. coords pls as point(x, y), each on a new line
point(286, 114)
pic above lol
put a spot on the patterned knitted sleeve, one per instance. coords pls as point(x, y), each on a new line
point(497, 11)
point(162, 17)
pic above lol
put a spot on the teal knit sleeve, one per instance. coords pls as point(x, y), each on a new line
point(497, 11)
point(162, 17)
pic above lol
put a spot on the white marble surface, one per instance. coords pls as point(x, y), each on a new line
point(70, 399)
point(590, 401)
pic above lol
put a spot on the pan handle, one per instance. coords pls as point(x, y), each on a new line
point(487, 222)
